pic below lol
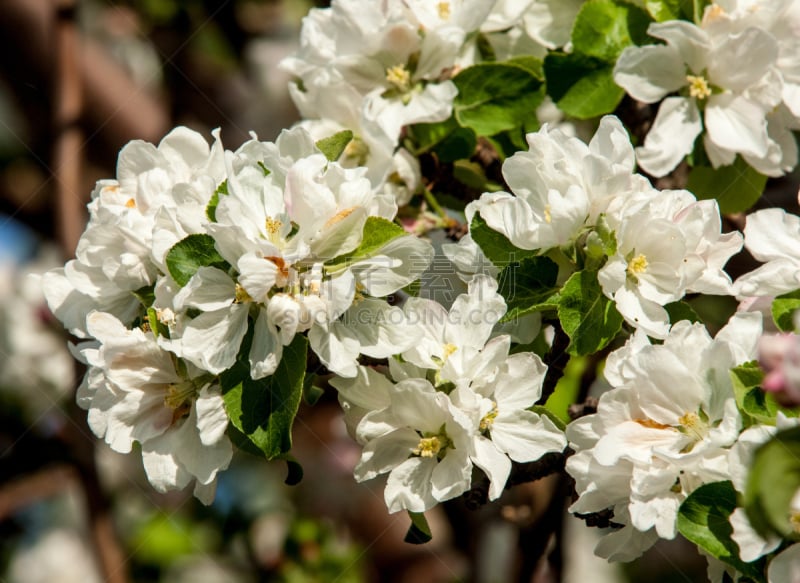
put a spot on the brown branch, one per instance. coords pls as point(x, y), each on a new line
point(26, 490)
point(556, 360)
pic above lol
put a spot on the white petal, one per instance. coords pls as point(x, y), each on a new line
point(735, 123)
point(494, 463)
point(671, 137)
point(212, 421)
point(526, 436)
point(650, 73)
point(385, 453)
point(409, 486)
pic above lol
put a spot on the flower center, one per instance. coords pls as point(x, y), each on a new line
point(399, 77)
point(548, 217)
point(241, 295)
point(178, 394)
point(698, 87)
point(444, 10)
point(637, 265)
point(693, 425)
point(428, 447)
point(131, 203)
point(488, 419)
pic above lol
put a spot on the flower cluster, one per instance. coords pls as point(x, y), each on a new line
point(195, 254)
point(205, 275)
point(454, 400)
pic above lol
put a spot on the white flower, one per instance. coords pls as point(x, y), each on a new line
point(134, 393)
point(560, 185)
point(717, 77)
point(786, 566)
point(666, 429)
point(374, 60)
point(771, 236)
point(425, 447)
point(666, 245)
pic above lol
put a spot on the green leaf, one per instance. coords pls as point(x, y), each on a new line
point(773, 481)
point(663, 10)
point(494, 97)
point(190, 254)
point(736, 187)
point(377, 233)
point(681, 310)
point(211, 207)
point(588, 317)
point(581, 86)
point(543, 411)
point(156, 326)
point(419, 532)
point(311, 392)
point(703, 519)
point(264, 410)
point(603, 28)
point(751, 400)
point(528, 286)
point(447, 139)
point(532, 64)
point(494, 245)
point(146, 295)
point(783, 309)
point(333, 146)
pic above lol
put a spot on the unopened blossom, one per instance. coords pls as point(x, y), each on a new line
point(666, 426)
point(719, 80)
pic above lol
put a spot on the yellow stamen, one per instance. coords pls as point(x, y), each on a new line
point(340, 216)
point(399, 77)
point(178, 394)
point(131, 203)
point(488, 419)
point(637, 265)
point(794, 520)
point(444, 10)
point(698, 86)
point(428, 447)
point(692, 425)
point(548, 218)
point(273, 226)
point(241, 295)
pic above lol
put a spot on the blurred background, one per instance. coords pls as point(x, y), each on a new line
point(78, 80)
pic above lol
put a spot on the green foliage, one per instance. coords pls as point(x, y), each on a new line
point(680, 310)
point(567, 390)
point(751, 400)
point(703, 519)
point(146, 295)
point(581, 86)
point(333, 146)
point(211, 207)
point(156, 326)
point(588, 317)
point(735, 188)
point(264, 410)
point(419, 532)
point(377, 233)
point(447, 139)
point(773, 481)
point(603, 28)
point(783, 308)
point(495, 97)
point(163, 538)
point(494, 245)
point(190, 254)
point(528, 286)
point(581, 82)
